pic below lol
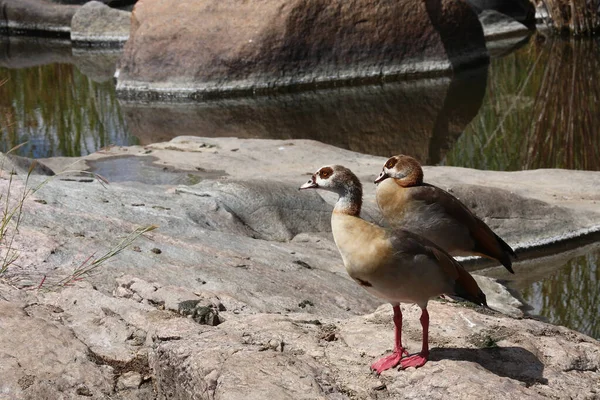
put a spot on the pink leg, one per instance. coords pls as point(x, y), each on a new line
point(418, 360)
point(393, 359)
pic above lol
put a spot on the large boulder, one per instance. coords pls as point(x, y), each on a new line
point(529, 209)
point(253, 46)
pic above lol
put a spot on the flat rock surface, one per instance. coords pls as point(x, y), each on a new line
point(525, 207)
point(163, 355)
point(241, 292)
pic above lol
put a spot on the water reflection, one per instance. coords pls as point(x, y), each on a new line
point(569, 296)
point(541, 110)
point(55, 108)
point(422, 118)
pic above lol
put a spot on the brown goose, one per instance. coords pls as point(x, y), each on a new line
point(406, 201)
point(395, 265)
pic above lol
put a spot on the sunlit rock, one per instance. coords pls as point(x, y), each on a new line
point(256, 46)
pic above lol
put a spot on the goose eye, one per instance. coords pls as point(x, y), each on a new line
point(389, 164)
point(324, 174)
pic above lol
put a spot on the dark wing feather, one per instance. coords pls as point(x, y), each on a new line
point(464, 284)
point(486, 241)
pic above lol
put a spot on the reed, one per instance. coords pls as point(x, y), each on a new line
point(541, 110)
point(576, 17)
point(564, 132)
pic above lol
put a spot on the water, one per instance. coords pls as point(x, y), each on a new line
point(541, 110)
point(569, 296)
point(535, 107)
point(54, 107)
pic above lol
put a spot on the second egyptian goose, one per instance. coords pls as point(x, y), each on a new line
point(406, 201)
point(395, 265)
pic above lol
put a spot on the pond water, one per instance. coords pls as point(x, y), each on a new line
point(537, 106)
point(569, 296)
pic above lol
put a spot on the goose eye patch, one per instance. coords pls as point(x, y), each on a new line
point(390, 163)
point(325, 173)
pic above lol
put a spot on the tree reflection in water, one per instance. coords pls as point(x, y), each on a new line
point(59, 112)
point(541, 110)
point(570, 295)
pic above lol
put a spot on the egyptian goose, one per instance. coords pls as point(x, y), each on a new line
point(395, 265)
point(406, 201)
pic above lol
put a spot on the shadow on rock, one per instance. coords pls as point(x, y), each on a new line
point(511, 362)
point(459, 44)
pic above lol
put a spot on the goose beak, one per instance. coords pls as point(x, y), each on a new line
point(311, 184)
point(382, 177)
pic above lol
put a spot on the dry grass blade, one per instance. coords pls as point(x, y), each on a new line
point(11, 206)
point(12, 214)
point(91, 264)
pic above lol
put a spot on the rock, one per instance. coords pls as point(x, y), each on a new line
point(42, 359)
point(364, 119)
point(263, 206)
point(499, 298)
point(244, 47)
point(96, 24)
point(36, 16)
point(129, 380)
point(24, 165)
point(528, 209)
point(496, 24)
point(471, 353)
point(522, 11)
point(233, 306)
point(282, 356)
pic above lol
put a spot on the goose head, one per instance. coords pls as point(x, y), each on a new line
point(404, 169)
point(342, 181)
